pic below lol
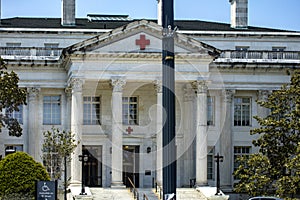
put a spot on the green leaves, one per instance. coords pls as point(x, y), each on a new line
point(18, 173)
point(57, 145)
point(276, 167)
point(11, 96)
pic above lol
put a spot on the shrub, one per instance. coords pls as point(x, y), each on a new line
point(18, 174)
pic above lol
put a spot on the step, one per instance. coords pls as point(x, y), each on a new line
point(149, 192)
point(111, 194)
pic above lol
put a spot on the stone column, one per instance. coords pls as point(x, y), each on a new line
point(226, 139)
point(159, 126)
point(201, 132)
point(117, 133)
point(34, 133)
point(76, 128)
point(189, 134)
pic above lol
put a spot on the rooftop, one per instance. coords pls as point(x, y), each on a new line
point(94, 21)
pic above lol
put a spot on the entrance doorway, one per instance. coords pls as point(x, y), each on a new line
point(131, 165)
point(92, 170)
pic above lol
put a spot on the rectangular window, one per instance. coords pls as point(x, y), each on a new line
point(130, 110)
point(238, 152)
point(210, 111)
point(242, 111)
point(18, 115)
point(91, 110)
point(51, 110)
point(210, 164)
point(12, 149)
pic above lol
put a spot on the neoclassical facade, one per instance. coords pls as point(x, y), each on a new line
point(100, 78)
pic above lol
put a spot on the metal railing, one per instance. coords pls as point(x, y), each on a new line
point(274, 55)
point(159, 190)
point(30, 52)
point(133, 189)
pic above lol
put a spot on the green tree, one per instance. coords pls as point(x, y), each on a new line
point(278, 141)
point(11, 97)
point(18, 173)
point(58, 145)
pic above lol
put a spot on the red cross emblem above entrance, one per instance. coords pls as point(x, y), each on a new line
point(142, 42)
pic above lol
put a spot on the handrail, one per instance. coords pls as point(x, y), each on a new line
point(158, 189)
point(145, 197)
point(134, 190)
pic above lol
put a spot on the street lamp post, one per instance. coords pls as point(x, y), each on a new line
point(218, 159)
point(83, 158)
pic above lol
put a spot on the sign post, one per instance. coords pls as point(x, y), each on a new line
point(46, 190)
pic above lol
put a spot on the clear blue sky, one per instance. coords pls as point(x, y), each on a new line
point(282, 14)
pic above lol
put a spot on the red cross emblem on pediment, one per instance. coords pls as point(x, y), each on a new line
point(129, 130)
point(142, 42)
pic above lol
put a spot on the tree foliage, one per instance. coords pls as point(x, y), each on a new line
point(275, 169)
point(18, 173)
point(11, 96)
point(57, 145)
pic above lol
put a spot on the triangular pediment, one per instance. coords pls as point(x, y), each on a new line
point(140, 36)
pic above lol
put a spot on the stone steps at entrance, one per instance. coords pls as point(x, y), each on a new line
point(111, 194)
point(124, 194)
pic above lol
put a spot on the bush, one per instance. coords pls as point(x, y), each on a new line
point(18, 174)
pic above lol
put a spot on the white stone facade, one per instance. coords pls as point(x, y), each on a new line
point(111, 66)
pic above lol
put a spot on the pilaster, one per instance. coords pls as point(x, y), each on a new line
point(159, 126)
point(117, 133)
point(263, 96)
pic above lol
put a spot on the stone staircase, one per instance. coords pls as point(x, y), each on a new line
point(111, 194)
point(124, 194)
point(149, 192)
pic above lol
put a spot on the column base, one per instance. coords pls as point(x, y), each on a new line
point(117, 185)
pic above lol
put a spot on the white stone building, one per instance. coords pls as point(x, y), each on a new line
point(100, 77)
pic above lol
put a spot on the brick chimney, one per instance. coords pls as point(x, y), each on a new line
point(239, 13)
point(68, 13)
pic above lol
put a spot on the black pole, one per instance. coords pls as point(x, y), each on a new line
point(218, 160)
point(168, 93)
point(65, 185)
point(82, 175)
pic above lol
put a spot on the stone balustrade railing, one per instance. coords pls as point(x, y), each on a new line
point(262, 56)
point(31, 53)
